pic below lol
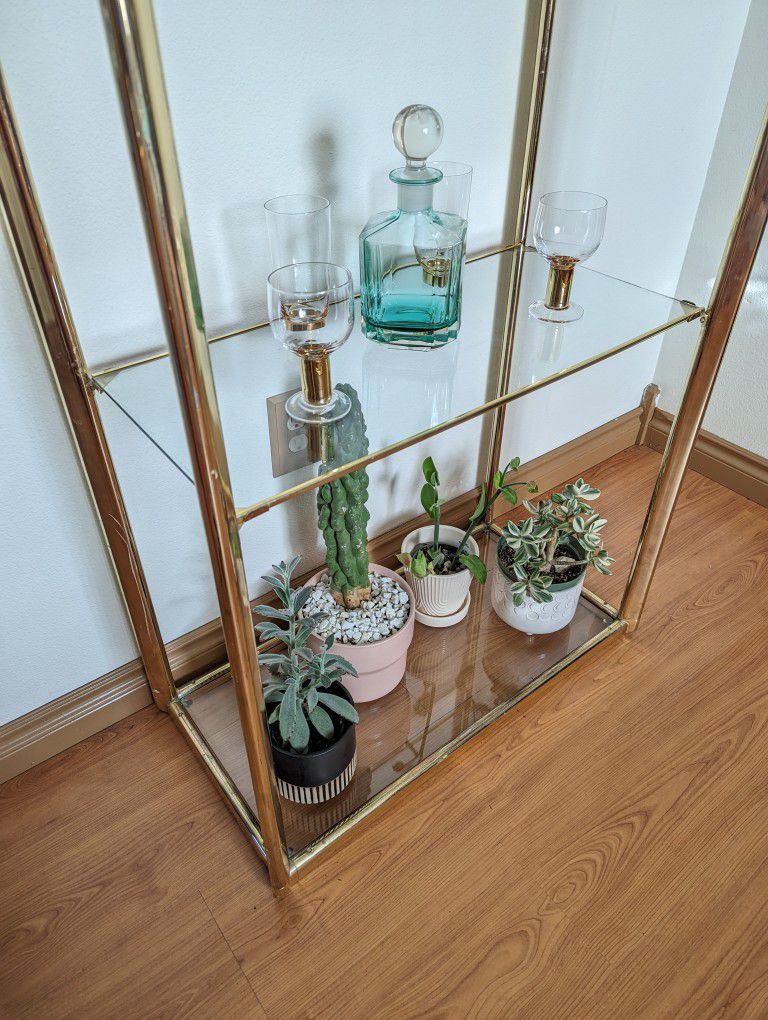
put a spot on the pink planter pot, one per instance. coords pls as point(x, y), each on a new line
point(380, 665)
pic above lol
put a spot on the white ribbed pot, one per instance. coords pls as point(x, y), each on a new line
point(439, 594)
point(534, 617)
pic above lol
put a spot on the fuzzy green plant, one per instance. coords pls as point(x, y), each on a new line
point(564, 521)
point(437, 560)
point(342, 514)
point(296, 693)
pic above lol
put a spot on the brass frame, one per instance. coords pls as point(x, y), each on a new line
point(532, 135)
point(138, 69)
point(731, 282)
point(48, 302)
point(133, 40)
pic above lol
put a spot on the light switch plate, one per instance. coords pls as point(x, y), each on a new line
point(289, 442)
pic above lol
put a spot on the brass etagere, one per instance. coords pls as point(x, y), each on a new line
point(133, 40)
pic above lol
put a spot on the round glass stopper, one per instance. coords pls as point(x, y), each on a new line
point(417, 132)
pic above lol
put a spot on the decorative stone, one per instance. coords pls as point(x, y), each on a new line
point(385, 613)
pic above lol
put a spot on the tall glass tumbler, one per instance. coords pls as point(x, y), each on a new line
point(452, 193)
point(451, 204)
point(299, 229)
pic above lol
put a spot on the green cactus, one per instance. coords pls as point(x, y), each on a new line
point(342, 515)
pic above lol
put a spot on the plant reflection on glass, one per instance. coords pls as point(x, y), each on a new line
point(311, 312)
point(437, 558)
point(568, 228)
point(562, 532)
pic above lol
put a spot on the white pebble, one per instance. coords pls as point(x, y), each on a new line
point(385, 613)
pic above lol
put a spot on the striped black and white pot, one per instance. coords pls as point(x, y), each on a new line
point(317, 776)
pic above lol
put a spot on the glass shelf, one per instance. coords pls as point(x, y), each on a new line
point(403, 393)
point(457, 680)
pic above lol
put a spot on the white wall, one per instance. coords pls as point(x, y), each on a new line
point(635, 96)
point(635, 93)
point(265, 134)
point(62, 620)
point(738, 408)
point(267, 127)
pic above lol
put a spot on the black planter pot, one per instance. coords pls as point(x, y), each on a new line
point(316, 776)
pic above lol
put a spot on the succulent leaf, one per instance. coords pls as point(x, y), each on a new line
point(564, 517)
point(429, 499)
point(298, 679)
point(322, 722)
point(430, 472)
point(339, 705)
point(419, 564)
point(475, 566)
point(289, 710)
point(299, 737)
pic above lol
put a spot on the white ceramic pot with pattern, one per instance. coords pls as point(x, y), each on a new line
point(439, 594)
point(534, 617)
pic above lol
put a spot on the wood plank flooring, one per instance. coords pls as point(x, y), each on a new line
point(602, 851)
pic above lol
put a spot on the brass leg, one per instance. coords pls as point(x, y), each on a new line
point(38, 269)
point(730, 284)
point(133, 39)
point(536, 108)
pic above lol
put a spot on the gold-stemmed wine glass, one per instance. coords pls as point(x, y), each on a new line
point(311, 312)
point(567, 229)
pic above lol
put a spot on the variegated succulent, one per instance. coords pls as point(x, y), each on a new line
point(296, 692)
point(564, 519)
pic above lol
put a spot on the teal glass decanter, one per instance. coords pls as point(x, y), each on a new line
point(411, 257)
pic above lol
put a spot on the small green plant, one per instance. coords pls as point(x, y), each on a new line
point(563, 520)
point(439, 560)
point(297, 690)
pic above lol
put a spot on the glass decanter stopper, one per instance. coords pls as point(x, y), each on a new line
point(411, 257)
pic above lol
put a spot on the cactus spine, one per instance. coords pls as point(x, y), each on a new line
point(342, 514)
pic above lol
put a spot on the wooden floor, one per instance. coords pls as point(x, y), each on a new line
point(602, 851)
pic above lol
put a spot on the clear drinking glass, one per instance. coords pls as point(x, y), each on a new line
point(299, 229)
point(568, 228)
point(311, 312)
point(452, 193)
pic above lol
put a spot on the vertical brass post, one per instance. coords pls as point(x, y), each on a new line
point(136, 56)
point(731, 281)
point(48, 301)
point(535, 111)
